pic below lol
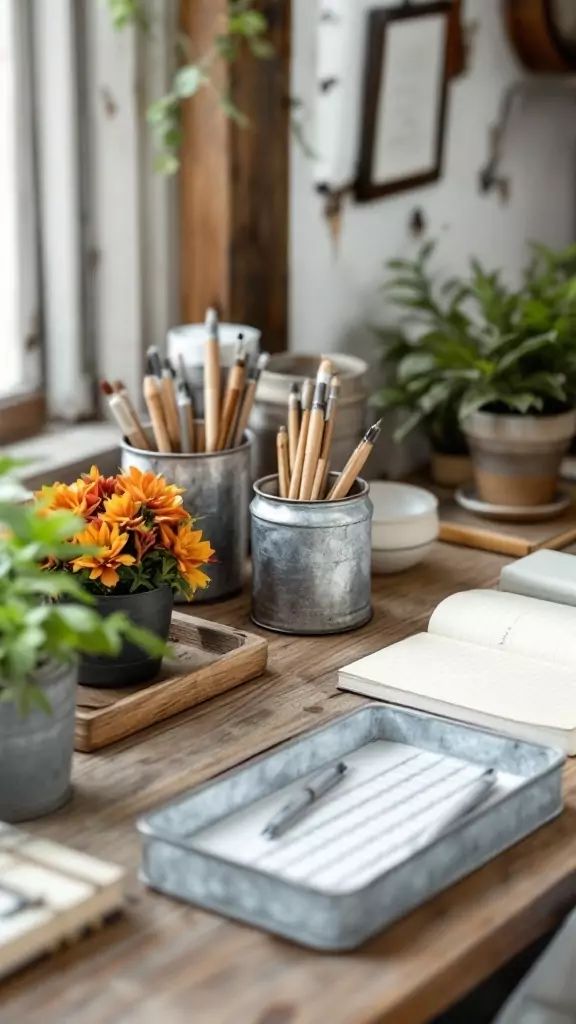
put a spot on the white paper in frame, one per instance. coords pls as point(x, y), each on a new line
point(404, 99)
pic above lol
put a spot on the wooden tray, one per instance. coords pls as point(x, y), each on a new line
point(208, 659)
point(457, 526)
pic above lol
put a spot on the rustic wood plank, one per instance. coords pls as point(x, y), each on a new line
point(217, 658)
point(457, 526)
point(173, 962)
point(234, 183)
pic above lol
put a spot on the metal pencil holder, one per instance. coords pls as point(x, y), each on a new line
point(217, 495)
point(311, 561)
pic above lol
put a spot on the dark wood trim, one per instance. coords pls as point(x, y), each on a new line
point(234, 184)
point(535, 39)
point(21, 417)
point(378, 21)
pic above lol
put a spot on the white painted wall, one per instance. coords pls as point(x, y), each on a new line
point(334, 294)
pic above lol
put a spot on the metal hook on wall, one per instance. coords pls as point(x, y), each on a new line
point(489, 178)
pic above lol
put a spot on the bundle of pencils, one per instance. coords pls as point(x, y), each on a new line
point(170, 403)
point(304, 448)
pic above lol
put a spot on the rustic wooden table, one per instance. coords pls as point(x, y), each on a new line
point(166, 961)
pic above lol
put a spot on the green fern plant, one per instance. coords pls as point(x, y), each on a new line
point(480, 344)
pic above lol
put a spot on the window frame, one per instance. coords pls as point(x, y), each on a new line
point(23, 410)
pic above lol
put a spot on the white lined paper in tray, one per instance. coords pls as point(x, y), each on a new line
point(375, 818)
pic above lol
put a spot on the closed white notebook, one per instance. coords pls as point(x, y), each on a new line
point(547, 575)
point(498, 660)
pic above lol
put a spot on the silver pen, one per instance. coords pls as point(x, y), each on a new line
point(300, 803)
point(469, 800)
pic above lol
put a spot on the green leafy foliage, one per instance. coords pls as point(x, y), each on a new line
point(47, 616)
point(244, 28)
point(479, 344)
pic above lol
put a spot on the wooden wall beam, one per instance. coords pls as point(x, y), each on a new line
point(235, 183)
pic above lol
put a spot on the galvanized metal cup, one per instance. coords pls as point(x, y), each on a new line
point(217, 495)
point(310, 561)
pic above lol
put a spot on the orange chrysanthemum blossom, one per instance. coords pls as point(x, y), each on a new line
point(190, 552)
point(123, 510)
point(162, 500)
point(80, 497)
point(145, 538)
point(104, 565)
point(104, 486)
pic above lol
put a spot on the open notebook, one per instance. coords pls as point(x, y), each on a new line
point(498, 660)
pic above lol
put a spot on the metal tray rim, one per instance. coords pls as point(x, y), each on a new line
point(151, 832)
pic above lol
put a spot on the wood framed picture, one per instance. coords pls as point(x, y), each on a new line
point(404, 104)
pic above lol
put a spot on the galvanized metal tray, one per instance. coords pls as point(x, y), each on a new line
point(174, 863)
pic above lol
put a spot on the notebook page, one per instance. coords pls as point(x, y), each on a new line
point(509, 622)
point(474, 684)
point(377, 816)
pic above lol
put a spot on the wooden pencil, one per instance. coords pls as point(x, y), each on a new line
point(283, 462)
point(293, 423)
point(355, 463)
point(140, 439)
point(324, 461)
point(315, 430)
point(232, 398)
point(186, 417)
point(170, 405)
point(153, 399)
point(306, 404)
point(248, 396)
point(212, 382)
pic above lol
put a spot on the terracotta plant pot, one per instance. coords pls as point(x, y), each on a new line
point(516, 459)
point(132, 666)
point(450, 470)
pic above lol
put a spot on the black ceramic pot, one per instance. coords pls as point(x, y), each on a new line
point(152, 610)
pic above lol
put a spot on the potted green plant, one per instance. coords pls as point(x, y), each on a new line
point(143, 548)
point(506, 359)
point(46, 622)
point(416, 358)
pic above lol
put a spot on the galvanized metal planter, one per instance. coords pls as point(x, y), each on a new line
point(36, 751)
point(217, 494)
point(174, 863)
point(311, 561)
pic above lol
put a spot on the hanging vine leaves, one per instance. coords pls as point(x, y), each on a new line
point(243, 27)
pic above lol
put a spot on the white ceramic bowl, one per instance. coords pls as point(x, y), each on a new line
point(399, 560)
point(404, 526)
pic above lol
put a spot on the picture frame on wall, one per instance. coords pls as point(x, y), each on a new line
point(404, 101)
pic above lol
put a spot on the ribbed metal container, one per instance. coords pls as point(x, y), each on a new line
point(217, 494)
point(271, 405)
point(311, 561)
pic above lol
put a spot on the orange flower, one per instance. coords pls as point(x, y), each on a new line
point(144, 539)
point(190, 552)
point(80, 498)
point(104, 486)
point(163, 500)
point(105, 564)
point(123, 510)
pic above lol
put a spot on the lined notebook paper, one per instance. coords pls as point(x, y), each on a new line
point(376, 817)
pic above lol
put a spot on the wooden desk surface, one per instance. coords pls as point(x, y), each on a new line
point(169, 962)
